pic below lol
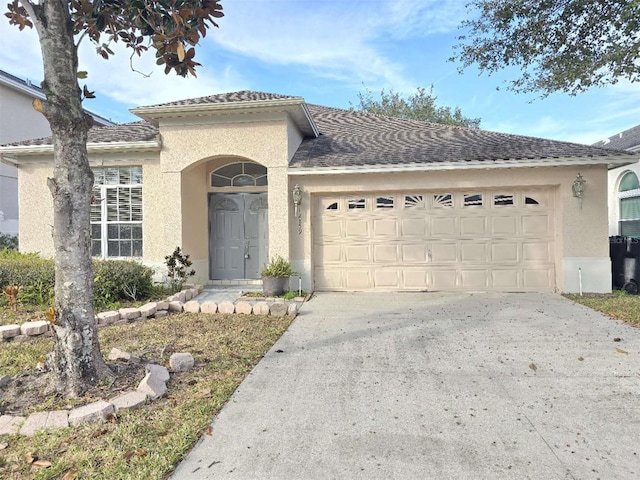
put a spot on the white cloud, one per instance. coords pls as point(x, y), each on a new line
point(114, 78)
point(20, 53)
point(422, 17)
point(333, 39)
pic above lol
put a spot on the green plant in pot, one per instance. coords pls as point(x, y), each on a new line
point(275, 276)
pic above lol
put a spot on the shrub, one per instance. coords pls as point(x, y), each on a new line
point(177, 264)
point(9, 242)
point(116, 280)
point(277, 267)
point(34, 274)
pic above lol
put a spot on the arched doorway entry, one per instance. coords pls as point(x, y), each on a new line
point(238, 221)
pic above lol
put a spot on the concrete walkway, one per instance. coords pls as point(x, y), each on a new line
point(219, 294)
point(435, 386)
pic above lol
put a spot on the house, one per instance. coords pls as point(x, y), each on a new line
point(19, 121)
point(357, 201)
point(624, 187)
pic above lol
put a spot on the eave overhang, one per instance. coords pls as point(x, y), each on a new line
point(19, 154)
point(611, 162)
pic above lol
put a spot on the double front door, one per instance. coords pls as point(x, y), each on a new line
point(238, 235)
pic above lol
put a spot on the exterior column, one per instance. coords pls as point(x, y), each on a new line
point(279, 211)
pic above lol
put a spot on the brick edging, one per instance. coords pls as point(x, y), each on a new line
point(179, 302)
point(152, 387)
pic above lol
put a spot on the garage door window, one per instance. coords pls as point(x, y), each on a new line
point(384, 202)
point(501, 200)
point(442, 200)
point(357, 204)
point(629, 198)
point(473, 200)
point(413, 201)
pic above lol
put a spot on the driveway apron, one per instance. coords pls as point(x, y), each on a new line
point(434, 386)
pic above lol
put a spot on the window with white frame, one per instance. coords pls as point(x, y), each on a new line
point(116, 212)
point(629, 203)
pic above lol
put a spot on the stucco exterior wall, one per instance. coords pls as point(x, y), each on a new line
point(36, 204)
point(191, 151)
point(580, 233)
point(195, 219)
point(153, 242)
point(36, 209)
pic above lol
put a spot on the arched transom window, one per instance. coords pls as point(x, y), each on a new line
point(629, 202)
point(241, 174)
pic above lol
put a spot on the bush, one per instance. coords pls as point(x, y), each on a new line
point(120, 280)
point(33, 273)
point(277, 267)
point(178, 264)
point(9, 242)
point(114, 280)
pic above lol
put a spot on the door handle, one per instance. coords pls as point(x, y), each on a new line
point(247, 244)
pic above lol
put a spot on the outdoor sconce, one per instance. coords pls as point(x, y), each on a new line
point(579, 184)
point(297, 200)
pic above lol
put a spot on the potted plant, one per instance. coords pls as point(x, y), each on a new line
point(275, 276)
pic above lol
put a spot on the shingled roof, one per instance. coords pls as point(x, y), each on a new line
point(350, 138)
point(126, 132)
point(353, 139)
point(627, 140)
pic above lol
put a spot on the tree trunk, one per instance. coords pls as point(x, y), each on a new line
point(76, 360)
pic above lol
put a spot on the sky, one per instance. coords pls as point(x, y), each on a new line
point(326, 52)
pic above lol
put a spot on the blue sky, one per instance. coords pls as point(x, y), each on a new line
point(327, 51)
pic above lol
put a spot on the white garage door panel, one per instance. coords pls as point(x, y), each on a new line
point(484, 240)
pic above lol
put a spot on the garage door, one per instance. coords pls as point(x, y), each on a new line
point(447, 240)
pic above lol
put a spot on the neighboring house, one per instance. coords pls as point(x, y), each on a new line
point(19, 121)
point(624, 187)
point(386, 204)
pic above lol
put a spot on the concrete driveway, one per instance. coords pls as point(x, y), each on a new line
point(435, 386)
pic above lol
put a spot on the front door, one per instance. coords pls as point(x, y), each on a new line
point(238, 235)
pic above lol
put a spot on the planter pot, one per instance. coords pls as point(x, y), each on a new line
point(273, 286)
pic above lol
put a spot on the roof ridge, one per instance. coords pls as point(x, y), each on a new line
point(239, 96)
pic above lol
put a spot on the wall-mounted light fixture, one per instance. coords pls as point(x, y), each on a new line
point(297, 201)
point(579, 184)
point(297, 198)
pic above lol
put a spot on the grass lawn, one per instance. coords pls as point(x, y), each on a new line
point(617, 304)
point(146, 443)
point(25, 313)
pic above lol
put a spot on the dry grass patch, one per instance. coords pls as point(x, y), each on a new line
point(146, 443)
point(618, 305)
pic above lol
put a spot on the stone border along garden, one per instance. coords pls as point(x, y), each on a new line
point(153, 385)
point(179, 302)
